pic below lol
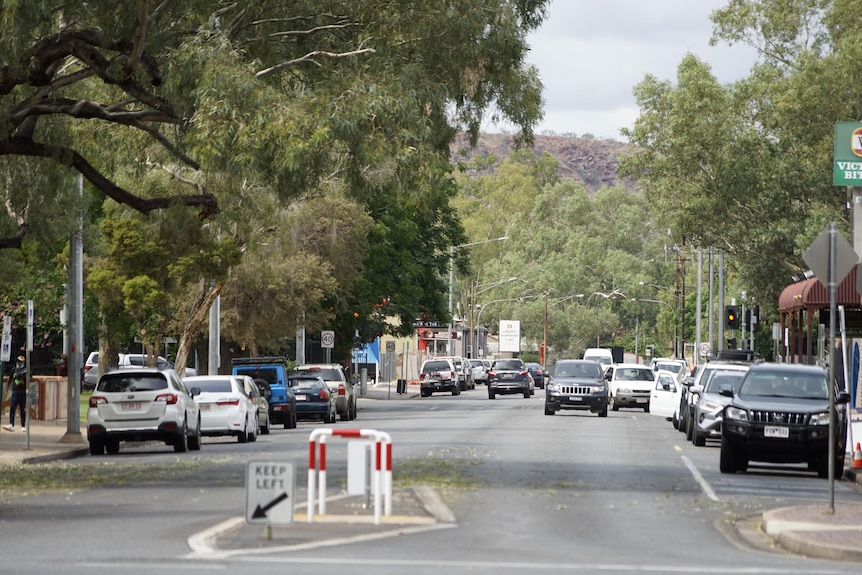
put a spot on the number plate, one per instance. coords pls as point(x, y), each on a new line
point(205, 406)
point(640, 400)
point(130, 406)
point(773, 431)
point(301, 398)
point(575, 398)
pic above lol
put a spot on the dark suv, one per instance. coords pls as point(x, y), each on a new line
point(577, 384)
point(781, 415)
point(509, 376)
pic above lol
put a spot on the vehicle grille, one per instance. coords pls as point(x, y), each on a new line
point(576, 389)
point(779, 417)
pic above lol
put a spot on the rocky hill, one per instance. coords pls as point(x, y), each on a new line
point(590, 161)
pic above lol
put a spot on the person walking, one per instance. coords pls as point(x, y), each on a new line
point(18, 387)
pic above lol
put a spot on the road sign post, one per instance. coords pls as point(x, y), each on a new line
point(270, 487)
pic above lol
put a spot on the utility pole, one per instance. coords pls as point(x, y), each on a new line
point(75, 305)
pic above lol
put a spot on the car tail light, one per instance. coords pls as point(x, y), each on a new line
point(523, 373)
point(234, 401)
point(341, 390)
point(324, 395)
point(451, 375)
point(167, 398)
point(421, 376)
point(96, 400)
point(87, 368)
point(492, 374)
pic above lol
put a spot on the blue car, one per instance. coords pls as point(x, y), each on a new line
point(538, 374)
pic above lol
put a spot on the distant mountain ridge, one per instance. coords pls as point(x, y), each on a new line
point(591, 161)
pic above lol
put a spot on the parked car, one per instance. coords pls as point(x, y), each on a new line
point(464, 371)
point(629, 385)
point(226, 408)
point(91, 371)
point(538, 374)
point(600, 354)
point(314, 398)
point(480, 371)
point(270, 373)
point(339, 384)
point(576, 384)
point(664, 398)
point(706, 423)
point(677, 366)
point(261, 402)
point(142, 404)
point(508, 376)
point(780, 414)
point(694, 387)
point(438, 374)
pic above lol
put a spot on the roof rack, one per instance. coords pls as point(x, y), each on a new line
point(257, 360)
point(733, 355)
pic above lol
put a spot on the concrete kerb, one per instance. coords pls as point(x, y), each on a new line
point(813, 532)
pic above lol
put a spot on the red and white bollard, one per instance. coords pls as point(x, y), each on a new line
point(317, 467)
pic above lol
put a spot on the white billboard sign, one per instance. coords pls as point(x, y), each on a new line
point(510, 336)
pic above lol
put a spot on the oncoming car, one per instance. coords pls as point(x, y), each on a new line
point(629, 385)
point(576, 384)
point(509, 376)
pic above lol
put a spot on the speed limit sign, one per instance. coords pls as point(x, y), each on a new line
point(327, 339)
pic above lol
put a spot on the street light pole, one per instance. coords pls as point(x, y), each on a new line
point(485, 305)
point(474, 343)
point(452, 281)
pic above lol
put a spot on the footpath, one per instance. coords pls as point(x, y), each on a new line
point(808, 530)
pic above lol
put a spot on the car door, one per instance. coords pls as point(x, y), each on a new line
point(664, 394)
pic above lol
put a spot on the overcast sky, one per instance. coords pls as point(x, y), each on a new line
point(591, 53)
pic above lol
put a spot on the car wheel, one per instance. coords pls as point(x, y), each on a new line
point(698, 439)
point(423, 393)
point(97, 447)
point(293, 418)
point(527, 394)
point(264, 428)
point(345, 415)
point(456, 391)
point(353, 411)
point(613, 402)
point(689, 429)
point(728, 461)
point(604, 412)
point(195, 440)
point(646, 408)
point(548, 410)
point(490, 394)
point(112, 447)
point(181, 443)
point(675, 421)
point(253, 435)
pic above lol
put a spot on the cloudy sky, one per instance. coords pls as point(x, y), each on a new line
point(591, 53)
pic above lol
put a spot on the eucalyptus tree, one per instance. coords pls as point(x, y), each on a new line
point(263, 97)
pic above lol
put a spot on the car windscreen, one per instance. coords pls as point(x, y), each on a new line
point(436, 366)
point(634, 374)
point(211, 386)
point(506, 364)
point(118, 383)
point(577, 370)
point(328, 374)
point(674, 367)
point(776, 384)
point(269, 375)
point(724, 379)
point(307, 383)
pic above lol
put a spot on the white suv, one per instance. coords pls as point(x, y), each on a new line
point(142, 404)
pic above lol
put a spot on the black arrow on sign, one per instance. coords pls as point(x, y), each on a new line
point(260, 512)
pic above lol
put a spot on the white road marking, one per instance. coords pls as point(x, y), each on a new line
point(707, 489)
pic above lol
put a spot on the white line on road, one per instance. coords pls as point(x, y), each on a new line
point(700, 480)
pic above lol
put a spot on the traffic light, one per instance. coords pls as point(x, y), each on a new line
point(731, 317)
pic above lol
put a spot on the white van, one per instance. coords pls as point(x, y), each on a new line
point(599, 354)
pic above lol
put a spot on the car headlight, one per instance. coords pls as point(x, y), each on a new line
point(598, 388)
point(623, 390)
point(553, 387)
point(709, 405)
point(820, 418)
point(736, 414)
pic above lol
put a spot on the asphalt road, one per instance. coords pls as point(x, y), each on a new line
point(530, 494)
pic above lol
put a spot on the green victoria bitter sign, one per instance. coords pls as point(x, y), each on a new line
point(847, 163)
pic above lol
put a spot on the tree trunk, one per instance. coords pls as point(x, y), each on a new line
point(197, 316)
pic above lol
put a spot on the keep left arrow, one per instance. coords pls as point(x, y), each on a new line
point(260, 512)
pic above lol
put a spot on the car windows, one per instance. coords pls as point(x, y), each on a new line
point(123, 383)
point(766, 384)
point(665, 380)
point(214, 386)
point(510, 364)
point(305, 383)
point(268, 375)
point(674, 367)
point(725, 379)
point(436, 366)
point(634, 374)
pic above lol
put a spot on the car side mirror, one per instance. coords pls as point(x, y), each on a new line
point(688, 381)
point(842, 397)
point(666, 387)
point(195, 391)
point(726, 391)
point(696, 389)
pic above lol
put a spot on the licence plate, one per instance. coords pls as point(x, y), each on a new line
point(640, 400)
point(575, 398)
point(779, 432)
point(130, 406)
point(301, 398)
point(205, 406)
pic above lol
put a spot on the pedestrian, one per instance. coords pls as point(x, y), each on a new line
point(18, 386)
